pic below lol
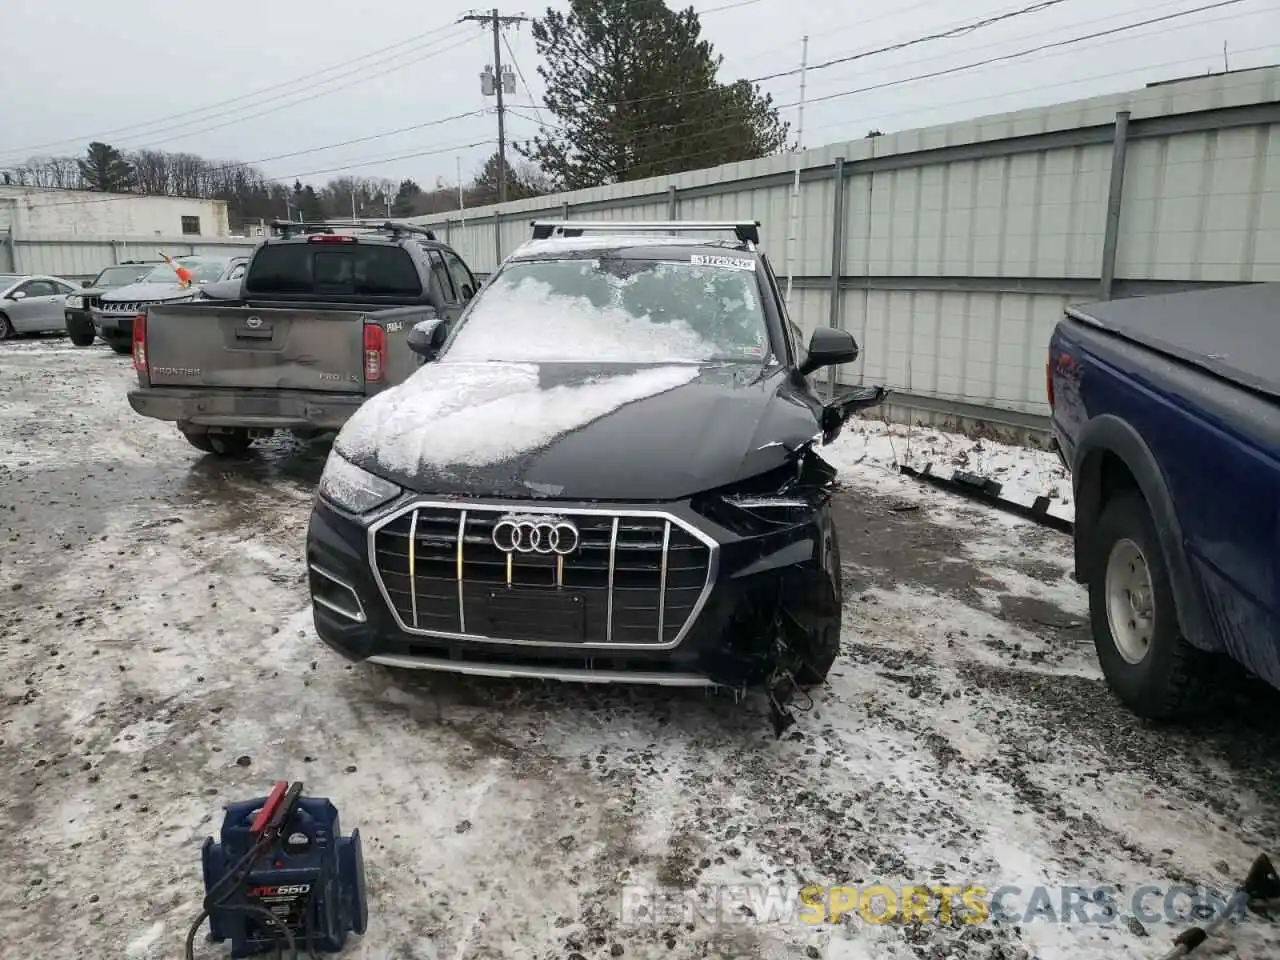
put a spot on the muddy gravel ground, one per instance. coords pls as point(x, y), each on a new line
point(159, 661)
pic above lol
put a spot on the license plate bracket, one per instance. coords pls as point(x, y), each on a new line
point(550, 614)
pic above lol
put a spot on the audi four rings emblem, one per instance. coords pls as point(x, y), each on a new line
point(539, 534)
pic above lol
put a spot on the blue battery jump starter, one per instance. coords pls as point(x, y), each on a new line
point(283, 877)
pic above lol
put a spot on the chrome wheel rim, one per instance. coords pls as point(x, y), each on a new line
point(1130, 601)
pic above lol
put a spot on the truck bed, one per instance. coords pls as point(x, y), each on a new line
point(1232, 332)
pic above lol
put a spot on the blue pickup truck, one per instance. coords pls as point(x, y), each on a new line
point(1166, 410)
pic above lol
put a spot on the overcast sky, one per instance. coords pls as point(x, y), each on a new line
point(227, 80)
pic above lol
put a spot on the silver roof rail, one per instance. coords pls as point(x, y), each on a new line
point(287, 228)
point(747, 231)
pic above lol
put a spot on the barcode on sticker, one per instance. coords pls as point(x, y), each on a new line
point(733, 263)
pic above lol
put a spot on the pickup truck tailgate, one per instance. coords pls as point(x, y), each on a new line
point(193, 344)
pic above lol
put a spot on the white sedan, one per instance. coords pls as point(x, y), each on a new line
point(33, 304)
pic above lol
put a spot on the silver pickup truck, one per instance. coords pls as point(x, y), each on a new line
point(319, 323)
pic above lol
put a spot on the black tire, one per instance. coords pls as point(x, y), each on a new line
point(228, 443)
point(122, 347)
point(1165, 680)
point(81, 332)
point(6, 328)
point(815, 666)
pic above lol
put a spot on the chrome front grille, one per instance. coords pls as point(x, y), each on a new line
point(635, 580)
point(131, 307)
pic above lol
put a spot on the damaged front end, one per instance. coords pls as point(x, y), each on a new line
point(780, 589)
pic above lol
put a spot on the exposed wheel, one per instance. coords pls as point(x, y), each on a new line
point(198, 439)
point(6, 328)
point(122, 347)
point(81, 332)
point(1143, 655)
point(227, 443)
point(822, 654)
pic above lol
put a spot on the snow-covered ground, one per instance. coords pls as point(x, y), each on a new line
point(157, 660)
point(875, 450)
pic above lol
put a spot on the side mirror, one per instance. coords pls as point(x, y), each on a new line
point(829, 347)
point(18, 295)
point(467, 292)
point(427, 337)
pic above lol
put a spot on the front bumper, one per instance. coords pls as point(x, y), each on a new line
point(254, 409)
point(725, 639)
point(112, 326)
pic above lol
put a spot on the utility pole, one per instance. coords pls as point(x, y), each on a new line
point(497, 80)
point(795, 183)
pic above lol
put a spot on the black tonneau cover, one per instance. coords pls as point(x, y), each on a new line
point(1233, 332)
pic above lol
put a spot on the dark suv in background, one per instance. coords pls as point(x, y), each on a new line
point(79, 304)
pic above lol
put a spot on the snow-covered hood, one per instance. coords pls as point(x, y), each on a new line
point(577, 431)
point(149, 292)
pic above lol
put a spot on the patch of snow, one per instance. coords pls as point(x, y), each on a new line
point(483, 413)
point(139, 946)
point(870, 452)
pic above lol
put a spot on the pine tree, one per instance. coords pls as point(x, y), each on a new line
point(404, 202)
point(635, 92)
point(521, 182)
point(104, 168)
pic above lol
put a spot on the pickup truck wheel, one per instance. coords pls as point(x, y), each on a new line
point(81, 332)
point(1143, 656)
point(223, 443)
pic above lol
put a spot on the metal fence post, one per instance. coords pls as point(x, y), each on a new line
point(835, 309)
point(673, 202)
point(564, 210)
point(1111, 238)
point(497, 238)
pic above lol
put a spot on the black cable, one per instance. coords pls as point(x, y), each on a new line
point(214, 900)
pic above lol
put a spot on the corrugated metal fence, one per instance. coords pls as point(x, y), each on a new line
point(77, 258)
point(950, 252)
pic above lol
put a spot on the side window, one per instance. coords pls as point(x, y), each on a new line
point(63, 288)
point(441, 273)
point(236, 272)
point(462, 278)
point(38, 288)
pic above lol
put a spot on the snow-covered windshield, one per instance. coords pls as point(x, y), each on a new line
point(623, 311)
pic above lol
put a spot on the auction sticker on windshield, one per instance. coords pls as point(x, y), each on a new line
point(733, 263)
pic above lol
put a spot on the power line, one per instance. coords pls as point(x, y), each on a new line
point(372, 136)
point(1040, 87)
point(362, 78)
point(27, 151)
point(960, 31)
point(1036, 35)
point(977, 64)
point(1023, 53)
point(520, 74)
point(668, 128)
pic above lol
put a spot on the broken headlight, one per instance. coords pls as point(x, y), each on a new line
point(355, 490)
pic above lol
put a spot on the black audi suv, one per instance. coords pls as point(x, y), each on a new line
point(604, 470)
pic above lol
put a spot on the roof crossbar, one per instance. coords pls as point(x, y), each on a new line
point(287, 228)
point(746, 231)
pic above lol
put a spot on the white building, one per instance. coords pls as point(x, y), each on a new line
point(75, 233)
point(33, 211)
